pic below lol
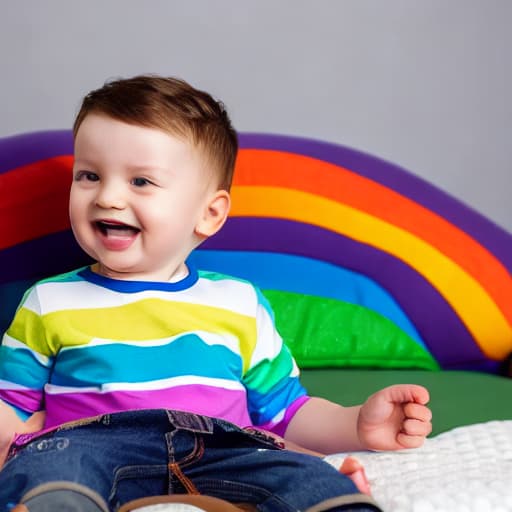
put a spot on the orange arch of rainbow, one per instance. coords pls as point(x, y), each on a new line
point(448, 267)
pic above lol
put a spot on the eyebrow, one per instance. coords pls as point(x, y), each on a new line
point(131, 168)
point(145, 167)
point(82, 161)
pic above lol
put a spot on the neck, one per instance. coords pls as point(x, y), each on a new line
point(167, 275)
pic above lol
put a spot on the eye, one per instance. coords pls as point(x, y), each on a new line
point(140, 182)
point(86, 176)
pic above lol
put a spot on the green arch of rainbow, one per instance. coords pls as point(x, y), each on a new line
point(446, 267)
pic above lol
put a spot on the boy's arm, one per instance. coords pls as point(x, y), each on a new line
point(325, 427)
point(12, 424)
point(391, 419)
point(394, 418)
point(23, 374)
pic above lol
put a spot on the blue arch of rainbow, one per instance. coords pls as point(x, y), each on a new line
point(352, 226)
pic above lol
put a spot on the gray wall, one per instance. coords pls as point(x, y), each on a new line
point(423, 83)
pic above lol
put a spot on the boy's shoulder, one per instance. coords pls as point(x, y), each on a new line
point(66, 277)
point(205, 276)
point(212, 283)
point(227, 280)
point(231, 285)
point(49, 286)
point(219, 279)
point(212, 275)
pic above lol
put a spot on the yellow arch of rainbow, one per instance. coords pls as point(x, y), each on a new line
point(477, 310)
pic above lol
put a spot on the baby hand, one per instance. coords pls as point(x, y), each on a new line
point(395, 418)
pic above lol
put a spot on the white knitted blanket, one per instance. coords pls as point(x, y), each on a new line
point(468, 469)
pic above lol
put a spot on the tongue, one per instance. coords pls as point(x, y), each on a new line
point(119, 232)
point(118, 238)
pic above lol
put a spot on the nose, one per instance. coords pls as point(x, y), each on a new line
point(110, 195)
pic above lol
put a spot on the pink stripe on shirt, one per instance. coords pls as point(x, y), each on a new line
point(197, 398)
point(26, 399)
point(280, 427)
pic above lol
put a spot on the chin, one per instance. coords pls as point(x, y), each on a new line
point(117, 271)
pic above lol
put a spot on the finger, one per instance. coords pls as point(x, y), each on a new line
point(409, 393)
point(417, 411)
point(421, 395)
point(416, 428)
point(407, 441)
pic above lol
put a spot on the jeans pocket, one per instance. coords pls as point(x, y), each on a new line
point(36, 442)
point(189, 421)
point(138, 481)
point(47, 444)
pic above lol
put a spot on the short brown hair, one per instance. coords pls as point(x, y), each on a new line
point(174, 106)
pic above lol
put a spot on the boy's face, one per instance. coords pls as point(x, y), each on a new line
point(141, 199)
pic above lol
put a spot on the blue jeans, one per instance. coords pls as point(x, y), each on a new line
point(129, 455)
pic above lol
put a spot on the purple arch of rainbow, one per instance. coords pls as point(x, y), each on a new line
point(312, 217)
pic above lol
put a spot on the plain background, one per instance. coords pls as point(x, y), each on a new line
point(425, 84)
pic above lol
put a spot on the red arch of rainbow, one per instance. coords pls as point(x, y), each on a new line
point(458, 259)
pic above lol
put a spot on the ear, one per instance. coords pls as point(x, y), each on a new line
point(214, 215)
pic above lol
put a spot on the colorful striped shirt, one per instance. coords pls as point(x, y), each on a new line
point(82, 344)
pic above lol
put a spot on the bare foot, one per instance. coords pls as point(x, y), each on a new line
point(352, 468)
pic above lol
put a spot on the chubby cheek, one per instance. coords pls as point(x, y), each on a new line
point(167, 233)
point(79, 223)
point(84, 236)
point(171, 216)
point(77, 205)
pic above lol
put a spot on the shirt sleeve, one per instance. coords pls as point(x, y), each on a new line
point(272, 380)
point(25, 362)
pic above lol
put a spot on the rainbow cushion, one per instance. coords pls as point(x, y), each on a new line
point(365, 264)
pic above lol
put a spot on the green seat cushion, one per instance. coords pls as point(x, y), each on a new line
point(323, 332)
point(456, 397)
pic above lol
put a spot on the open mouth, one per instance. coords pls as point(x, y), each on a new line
point(115, 229)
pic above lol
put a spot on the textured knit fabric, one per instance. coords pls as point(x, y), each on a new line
point(82, 344)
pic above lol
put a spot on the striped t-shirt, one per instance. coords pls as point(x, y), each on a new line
point(82, 344)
